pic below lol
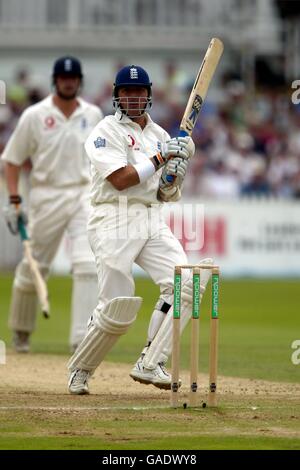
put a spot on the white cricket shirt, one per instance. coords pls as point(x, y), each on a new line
point(116, 142)
point(54, 143)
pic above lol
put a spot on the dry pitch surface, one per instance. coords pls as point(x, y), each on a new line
point(36, 411)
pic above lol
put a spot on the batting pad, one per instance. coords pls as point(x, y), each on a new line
point(113, 321)
point(23, 310)
point(161, 346)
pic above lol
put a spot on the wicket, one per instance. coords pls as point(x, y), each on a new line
point(213, 354)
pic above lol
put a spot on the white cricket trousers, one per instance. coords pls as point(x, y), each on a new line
point(138, 235)
point(53, 212)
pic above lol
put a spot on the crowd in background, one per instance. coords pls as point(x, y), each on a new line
point(247, 144)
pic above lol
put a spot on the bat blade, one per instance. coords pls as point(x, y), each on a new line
point(200, 87)
point(39, 283)
point(38, 280)
point(199, 90)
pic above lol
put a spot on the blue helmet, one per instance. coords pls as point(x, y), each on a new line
point(67, 65)
point(132, 75)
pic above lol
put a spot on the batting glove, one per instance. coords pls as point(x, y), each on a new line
point(12, 213)
point(183, 147)
point(176, 168)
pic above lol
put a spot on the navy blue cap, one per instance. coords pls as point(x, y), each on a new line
point(67, 65)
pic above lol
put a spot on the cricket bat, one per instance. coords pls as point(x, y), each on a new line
point(39, 283)
point(200, 88)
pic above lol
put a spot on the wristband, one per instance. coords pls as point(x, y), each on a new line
point(160, 158)
point(144, 170)
point(15, 199)
point(159, 161)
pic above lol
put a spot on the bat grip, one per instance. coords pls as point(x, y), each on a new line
point(22, 229)
point(182, 133)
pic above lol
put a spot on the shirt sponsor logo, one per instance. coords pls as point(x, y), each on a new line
point(132, 141)
point(99, 142)
point(49, 122)
point(132, 144)
point(159, 146)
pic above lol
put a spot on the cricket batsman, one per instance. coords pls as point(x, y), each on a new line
point(52, 133)
point(131, 159)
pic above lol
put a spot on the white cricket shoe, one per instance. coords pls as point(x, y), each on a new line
point(159, 377)
point(78, 383)
point(21, 341)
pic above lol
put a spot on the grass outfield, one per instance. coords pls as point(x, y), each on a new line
point(259, 320)
point(122, 434)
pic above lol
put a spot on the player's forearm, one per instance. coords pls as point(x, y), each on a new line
point(12, 173)
point(124, 178)
point(132, 175)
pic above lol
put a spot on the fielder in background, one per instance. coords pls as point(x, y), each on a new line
point(131, 158)
point(52, 133)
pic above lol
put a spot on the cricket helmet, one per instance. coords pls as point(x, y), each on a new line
point(132, 75)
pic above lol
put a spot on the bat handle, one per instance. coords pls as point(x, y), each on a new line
point(182, 133)
point(22, 229)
